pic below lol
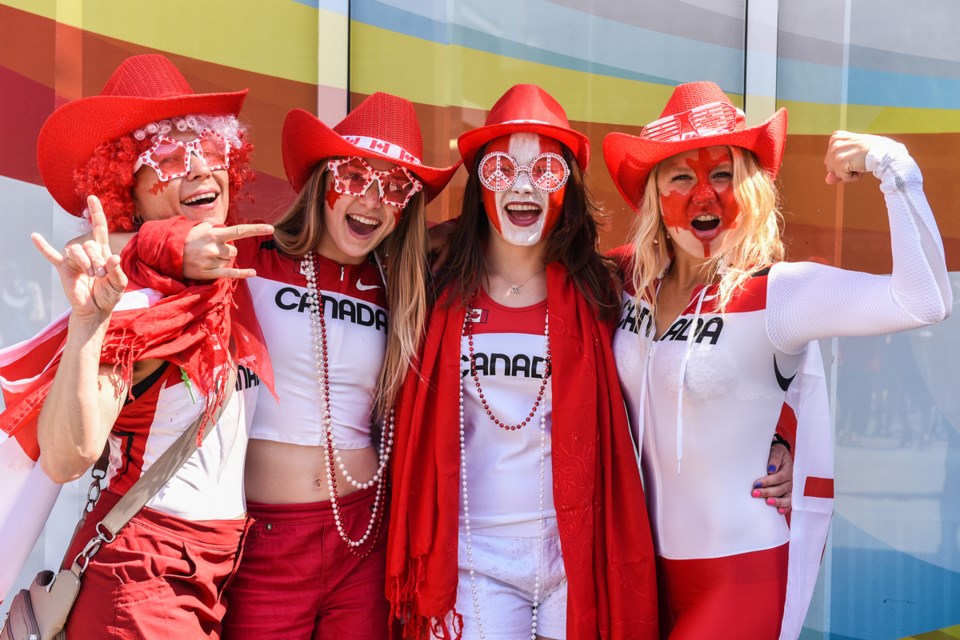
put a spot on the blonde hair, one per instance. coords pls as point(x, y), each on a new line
point(403, 255)
point(756, 241)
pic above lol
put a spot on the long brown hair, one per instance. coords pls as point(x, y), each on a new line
point(403, 255)
point(573, 242)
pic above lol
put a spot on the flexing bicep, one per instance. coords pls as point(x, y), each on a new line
point(807, 301)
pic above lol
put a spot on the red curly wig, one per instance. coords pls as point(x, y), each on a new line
point(109, 175)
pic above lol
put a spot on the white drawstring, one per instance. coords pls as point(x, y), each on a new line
point(683, 370)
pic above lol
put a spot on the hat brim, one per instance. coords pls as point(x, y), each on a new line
point(472, 141)
point(307, 141)
point(630, 159)
point(72, 133)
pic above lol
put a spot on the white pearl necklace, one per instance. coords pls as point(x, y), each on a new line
point(318, 328)
point(537, 585)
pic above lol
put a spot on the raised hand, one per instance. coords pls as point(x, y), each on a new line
point(846, 156)
point(89, 272)
point(208, 254)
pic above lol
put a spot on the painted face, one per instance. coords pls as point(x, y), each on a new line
point(524, 214)
point(353, 226)
point(202, 194)
point(696, 197)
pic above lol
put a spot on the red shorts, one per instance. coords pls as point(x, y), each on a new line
point(299, 581)
point(162, 577)
point(731, 598)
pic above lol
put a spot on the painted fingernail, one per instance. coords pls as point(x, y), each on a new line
point(101, 272)
point(771, 501)
point(757, 484)
point(756, 493)
point(771, 468)
point(781, 510)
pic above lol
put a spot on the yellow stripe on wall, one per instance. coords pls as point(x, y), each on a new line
point(943, 634)
point(823, 119)
point(423, 71)
point(277, 38)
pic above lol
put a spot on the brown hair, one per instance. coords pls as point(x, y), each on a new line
point(403, 255)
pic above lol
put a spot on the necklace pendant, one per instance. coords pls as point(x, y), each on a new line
point(515, 290)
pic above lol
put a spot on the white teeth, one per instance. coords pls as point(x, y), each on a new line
point(523, 207)
point(707, 218)
point(365, 220)
point(206, 197)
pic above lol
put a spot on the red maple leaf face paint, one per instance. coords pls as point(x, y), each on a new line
point(697, 200)
point(530, 174)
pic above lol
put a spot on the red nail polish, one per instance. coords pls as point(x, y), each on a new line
point(781, 510)
point(771, 501)
point(756, 493)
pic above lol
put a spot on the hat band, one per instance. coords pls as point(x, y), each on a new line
point(383, 148)
point(714, 118)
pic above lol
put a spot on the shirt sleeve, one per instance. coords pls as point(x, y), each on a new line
point(807, 301)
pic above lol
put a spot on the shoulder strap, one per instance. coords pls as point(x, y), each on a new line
point(158, 474)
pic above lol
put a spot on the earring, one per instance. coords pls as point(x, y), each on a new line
point(137, 220)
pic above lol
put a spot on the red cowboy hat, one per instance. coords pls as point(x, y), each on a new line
point(143, 89)
point(698, 114)
point(382, 126)
point(526, 108)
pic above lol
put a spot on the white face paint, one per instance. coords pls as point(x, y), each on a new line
point(522, 210)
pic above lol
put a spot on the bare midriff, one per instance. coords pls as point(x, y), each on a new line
point(283, 473)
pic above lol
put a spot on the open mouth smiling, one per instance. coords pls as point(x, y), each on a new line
point(362, 225)
point(523, 214)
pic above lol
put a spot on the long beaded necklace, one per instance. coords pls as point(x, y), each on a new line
point(318, 326)
point(543, 384)
point(538, 580)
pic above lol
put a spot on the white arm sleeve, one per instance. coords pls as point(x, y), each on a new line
point(807, 301)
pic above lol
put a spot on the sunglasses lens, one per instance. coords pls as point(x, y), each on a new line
point(169, 158)
point(497, 171)
point(398, 187)
point(549, 172)
point(353, 176)
point(215, 151)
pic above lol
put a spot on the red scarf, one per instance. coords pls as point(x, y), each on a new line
point(601, 511)
point(194, 327)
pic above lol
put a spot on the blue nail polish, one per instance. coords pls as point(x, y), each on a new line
point(771, 468)
point(757, 484)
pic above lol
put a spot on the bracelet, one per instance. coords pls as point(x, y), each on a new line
point(778, 439)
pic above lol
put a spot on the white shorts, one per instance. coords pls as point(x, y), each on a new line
point(505, 571)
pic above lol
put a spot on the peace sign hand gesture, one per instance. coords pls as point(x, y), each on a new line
point(89, 272)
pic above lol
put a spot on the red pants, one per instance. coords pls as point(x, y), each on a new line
point(731, 598)
point(163, 577)
point(298, 580)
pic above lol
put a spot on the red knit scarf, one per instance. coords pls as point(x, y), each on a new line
point(194, 327)
point(601, 511)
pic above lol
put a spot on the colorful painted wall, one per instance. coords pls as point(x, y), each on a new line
point(892, 568)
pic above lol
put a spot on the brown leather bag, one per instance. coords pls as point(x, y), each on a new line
point(40, 611)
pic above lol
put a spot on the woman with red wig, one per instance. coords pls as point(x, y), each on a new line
point(714, 336)
point(145, 359)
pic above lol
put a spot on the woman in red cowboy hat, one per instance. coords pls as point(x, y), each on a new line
point(142, 360)
point(350, 251)
point(511, 437)
point(713, 336)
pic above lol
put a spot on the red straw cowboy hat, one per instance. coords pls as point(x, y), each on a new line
point(526, 108)
point(382, 126)
point(698, 114)
point(143, 89)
